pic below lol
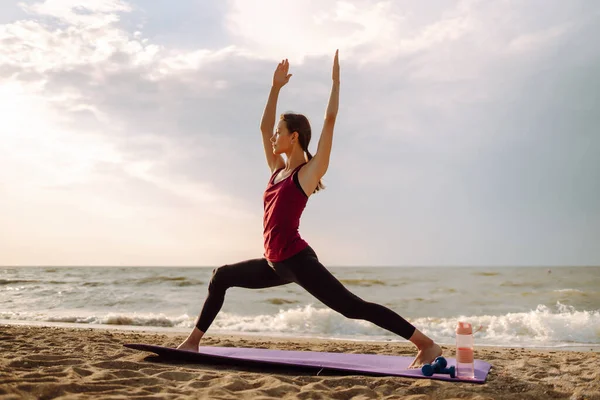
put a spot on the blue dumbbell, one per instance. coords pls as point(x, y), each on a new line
point(438, 367)
point(434, 368)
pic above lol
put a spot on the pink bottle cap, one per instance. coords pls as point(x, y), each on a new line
point(464, 328)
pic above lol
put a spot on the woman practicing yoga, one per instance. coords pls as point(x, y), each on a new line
point(287, 257)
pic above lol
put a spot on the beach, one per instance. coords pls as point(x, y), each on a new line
point(82, 363)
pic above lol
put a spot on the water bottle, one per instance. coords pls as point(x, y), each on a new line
point(465, 362)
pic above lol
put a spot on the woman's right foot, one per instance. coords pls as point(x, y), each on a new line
point(426, 355)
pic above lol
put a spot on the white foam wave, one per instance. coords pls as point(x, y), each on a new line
point(568, 291)
point(544, 326)
point(132, 319)
point(560, 325)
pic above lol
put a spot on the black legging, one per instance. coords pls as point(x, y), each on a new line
point(304, 269)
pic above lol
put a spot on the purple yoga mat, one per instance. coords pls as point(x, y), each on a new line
point(365, 363)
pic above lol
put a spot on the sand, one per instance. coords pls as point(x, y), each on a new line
point(69, 363)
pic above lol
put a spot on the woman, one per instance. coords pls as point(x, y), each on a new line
point(288, 258)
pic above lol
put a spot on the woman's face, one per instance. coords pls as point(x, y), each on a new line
point(282, 140)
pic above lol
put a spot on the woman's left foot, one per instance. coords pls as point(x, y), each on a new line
point(426, 355)
point(188, 346)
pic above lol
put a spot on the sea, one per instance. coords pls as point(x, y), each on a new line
point(529, 307)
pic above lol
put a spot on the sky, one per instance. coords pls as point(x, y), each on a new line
point(467, 132)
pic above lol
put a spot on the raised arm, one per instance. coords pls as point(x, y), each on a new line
point(267, 124)
point(321, 159)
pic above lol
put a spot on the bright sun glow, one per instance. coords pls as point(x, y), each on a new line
point(33, 138)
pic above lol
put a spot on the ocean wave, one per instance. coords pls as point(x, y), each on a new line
point(278, 301)
point(543, 326)
point(160, 279)
point(17, 281)
point(527, 284)
point(424, 300)
point(137, 320)
point(362, 282)
point(190, 282)
point(93, 284)
point(154, 280)
point(443, 290)
point(568, 291)
point(177, 280)
point(558, 325)
point(485, 273)
point(132, 319)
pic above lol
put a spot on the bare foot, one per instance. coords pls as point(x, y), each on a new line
point(426, 355)
point(188, 346)
point(192, 342)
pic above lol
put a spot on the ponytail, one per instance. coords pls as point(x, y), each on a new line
point(299, 123)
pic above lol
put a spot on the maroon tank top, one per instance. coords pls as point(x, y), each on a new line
point(284, 202)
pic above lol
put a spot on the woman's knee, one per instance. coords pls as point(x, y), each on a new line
point(352, 313)
point(218, 280)
point(355, 309)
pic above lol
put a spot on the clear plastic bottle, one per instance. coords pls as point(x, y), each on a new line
point(465, 362)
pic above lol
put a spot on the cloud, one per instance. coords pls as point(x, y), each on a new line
point(93, 15)
point(465, 132)
point(101, 144)
point(532, 41)
point(288, 29)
